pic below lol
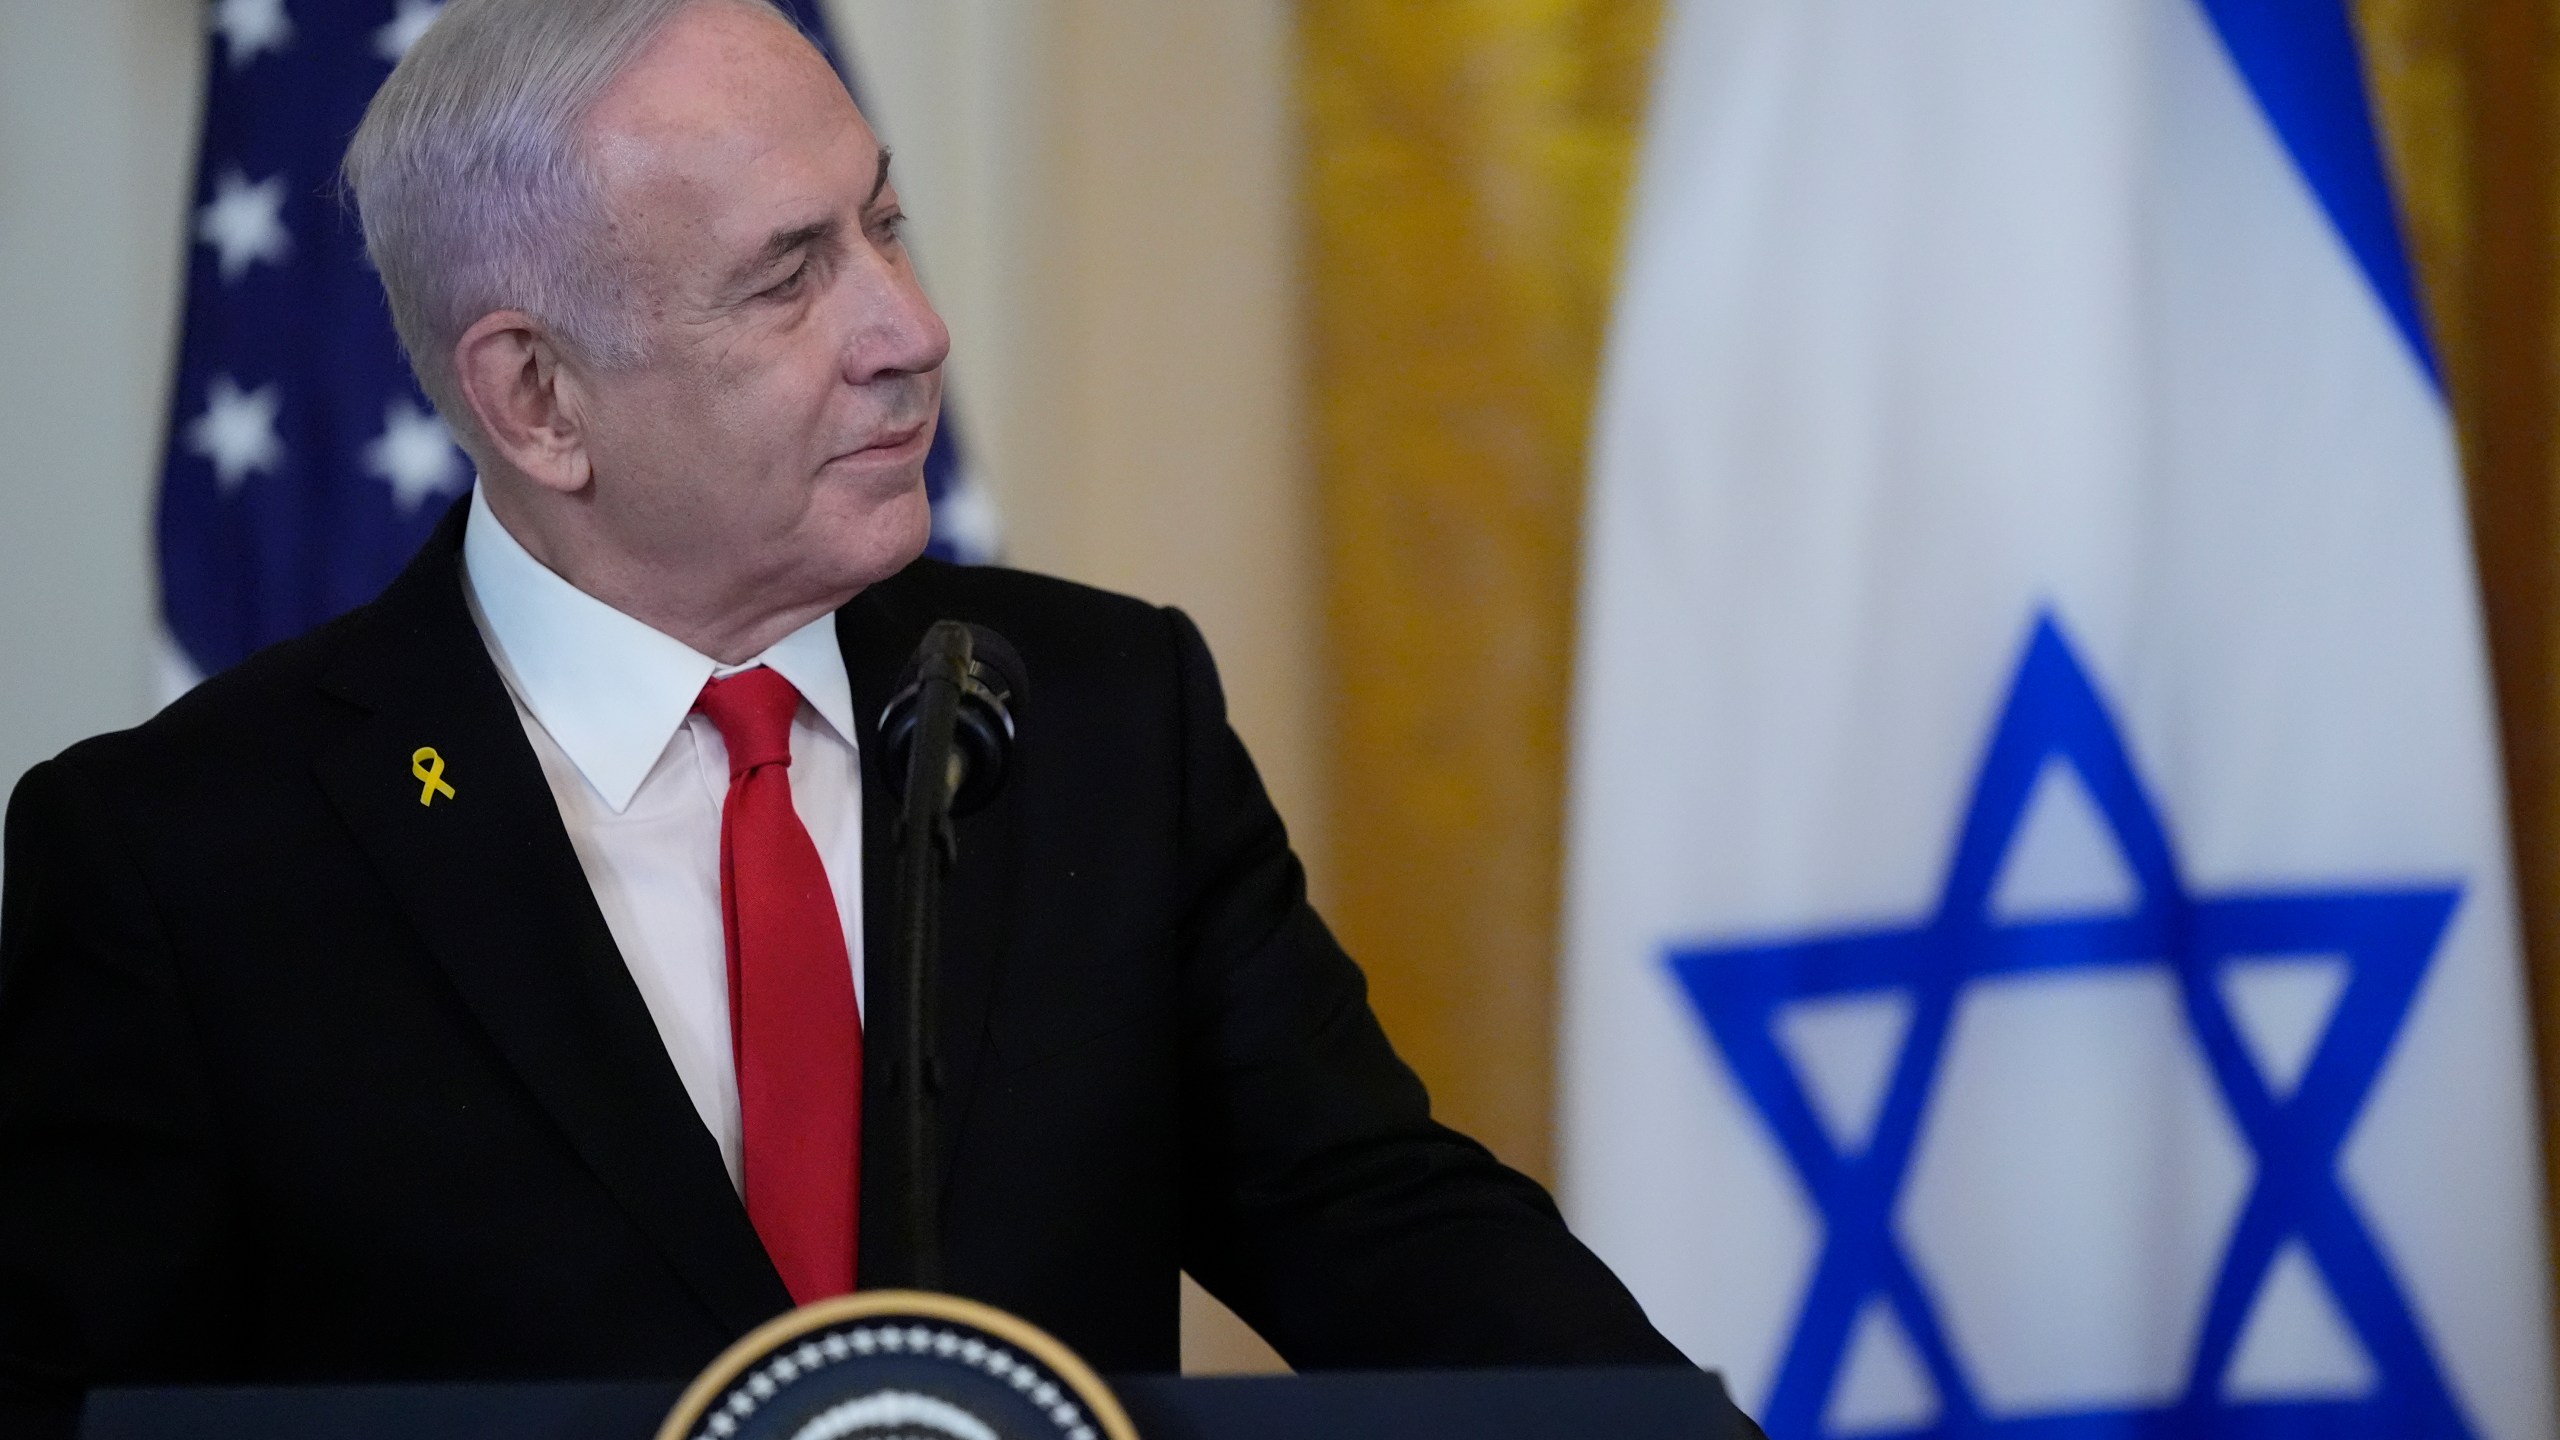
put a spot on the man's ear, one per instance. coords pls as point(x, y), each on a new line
point(510, 375)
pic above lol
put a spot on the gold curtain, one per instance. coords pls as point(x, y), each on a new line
point(2464, 91)
point(1467, 163)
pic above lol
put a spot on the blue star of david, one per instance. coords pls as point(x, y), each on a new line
point(2386, 935)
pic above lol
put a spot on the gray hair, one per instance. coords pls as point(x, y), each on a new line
point(475, 192)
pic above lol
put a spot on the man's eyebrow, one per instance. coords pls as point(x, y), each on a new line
point(879, 179)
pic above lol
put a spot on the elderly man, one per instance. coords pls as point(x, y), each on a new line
point(474, 987)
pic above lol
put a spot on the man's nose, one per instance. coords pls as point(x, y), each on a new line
point(896, 331)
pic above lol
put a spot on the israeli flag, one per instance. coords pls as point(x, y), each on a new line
point(2041, 957)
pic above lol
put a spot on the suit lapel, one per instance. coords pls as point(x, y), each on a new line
point(878, 630)
point(489, 878)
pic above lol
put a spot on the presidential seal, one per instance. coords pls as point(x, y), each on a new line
point(897, 1365)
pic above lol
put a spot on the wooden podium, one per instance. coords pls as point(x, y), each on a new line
point(1625, 1404)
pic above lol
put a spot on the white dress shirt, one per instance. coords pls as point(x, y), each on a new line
point(640, 778)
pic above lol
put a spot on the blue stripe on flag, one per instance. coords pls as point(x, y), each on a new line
point(2300, 59)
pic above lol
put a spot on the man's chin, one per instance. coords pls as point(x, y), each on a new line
point(888, 535)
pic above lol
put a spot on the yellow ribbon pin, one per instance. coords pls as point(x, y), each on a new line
point(428, 766)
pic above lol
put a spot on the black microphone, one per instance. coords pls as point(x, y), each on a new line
point(989, 678)
point(947, 733)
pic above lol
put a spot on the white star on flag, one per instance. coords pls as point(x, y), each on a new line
point(393, 40)
point(967, 520)
point(237, 432)
point(248, 27)
point(245, 223)
point(415, 454)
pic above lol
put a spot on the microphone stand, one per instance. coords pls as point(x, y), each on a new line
point(926, 850)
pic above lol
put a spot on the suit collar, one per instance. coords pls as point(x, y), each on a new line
point(487, 876)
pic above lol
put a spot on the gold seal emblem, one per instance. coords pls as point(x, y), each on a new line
point(902, 1363)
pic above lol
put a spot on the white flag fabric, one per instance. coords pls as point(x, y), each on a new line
point(2040, 954)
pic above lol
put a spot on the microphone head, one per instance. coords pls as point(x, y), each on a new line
point(991, 682)
point(997, 669)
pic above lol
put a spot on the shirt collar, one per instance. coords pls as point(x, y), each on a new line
point(611, 690)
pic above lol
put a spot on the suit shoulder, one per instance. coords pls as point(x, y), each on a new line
point(230, 718)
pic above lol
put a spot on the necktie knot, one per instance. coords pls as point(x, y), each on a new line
point(752, 711)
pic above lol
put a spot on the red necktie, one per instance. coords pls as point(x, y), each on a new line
point(792, 1021)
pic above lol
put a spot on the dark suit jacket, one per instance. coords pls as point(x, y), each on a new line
point(301, 1079)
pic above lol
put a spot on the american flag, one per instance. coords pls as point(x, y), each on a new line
point(304, 466)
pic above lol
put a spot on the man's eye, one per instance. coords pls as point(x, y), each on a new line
point(890, 229)
point(791, 283)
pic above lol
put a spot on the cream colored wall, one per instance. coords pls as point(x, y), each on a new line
point(1103, 199)
point(98, 106)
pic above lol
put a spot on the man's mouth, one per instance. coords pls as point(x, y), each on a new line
point(888, 442)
